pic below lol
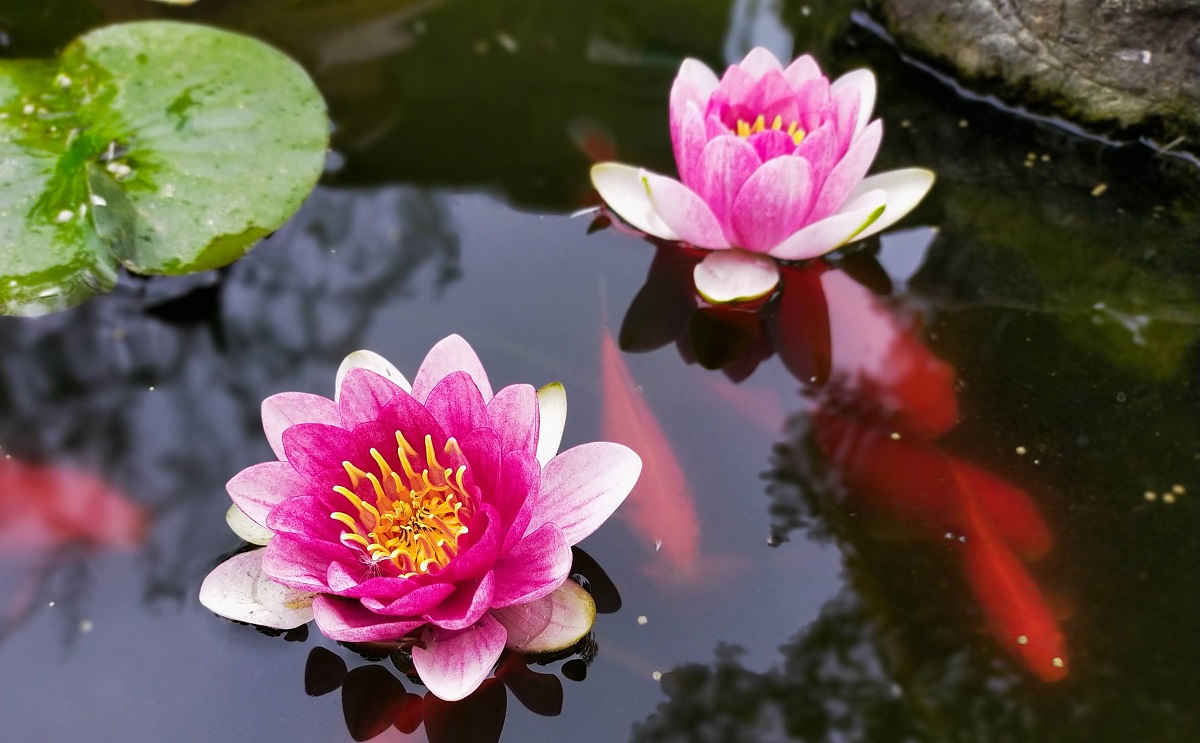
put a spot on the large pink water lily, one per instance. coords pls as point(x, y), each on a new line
point(436, 514)
point(772, 165)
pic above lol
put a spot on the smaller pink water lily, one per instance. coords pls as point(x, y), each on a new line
point(435, 515)
point(772, 166)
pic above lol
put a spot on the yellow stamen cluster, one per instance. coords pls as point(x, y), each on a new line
point(417, 517)
point(745, 129)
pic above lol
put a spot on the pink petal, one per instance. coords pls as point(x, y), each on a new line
point(759, 62)
point(770, 95)
point(513, 413)
point(477, 556)
point(449, 355)
point(735, 276)
point(260, 487)
point(624, 190)
point(801, 70)
point(300, 562)
point(694, 83)
point(469, 602)
point(370, 361)
point(820, 148)
point(289, 408)
point(307, 516)
point(516, 496)
point(346, 620)
point(684, 212)
point(688, 137)
point(537, 565)
point(773, 204)
point(457, 405)
point(772, 143)
point(317, 450)
point(848, 173)
point(412, 604)
point(845, 105)
point(583, 486)
point(481, 447)
point(550, 624)
point(362, 395)
point(862, 81)
point(811, 96)
point(454, 664)
point(726, 163)
point(827, 234)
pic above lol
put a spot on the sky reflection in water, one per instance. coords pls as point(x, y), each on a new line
point(1069, 322)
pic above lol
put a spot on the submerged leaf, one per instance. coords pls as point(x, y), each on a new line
point(125, 151)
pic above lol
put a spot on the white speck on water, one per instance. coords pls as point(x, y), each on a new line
point(642, 619)
point(1150, 496)
point(98, 200)
point(63, 81)
point(1178, 489)
point(508, 43)
point(66, 215)
point(657, 545)
point(1022, 451)
point(657, 675)
point(1022, 640)
point(805, 11)
point(51, 604)
point(29, 109)
point(895, 435)
point(1168, 498)
point(86, 626)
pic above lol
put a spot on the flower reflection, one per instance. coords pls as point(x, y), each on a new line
point(876, 400)
point(437, 516)
point(772, 165)
point(374, 699)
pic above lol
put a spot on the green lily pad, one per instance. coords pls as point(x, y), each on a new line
point(166, 147)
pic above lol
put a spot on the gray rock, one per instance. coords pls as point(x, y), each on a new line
point(1131, 65)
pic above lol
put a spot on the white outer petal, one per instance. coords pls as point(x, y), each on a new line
point(623, 189)
point(552, 411)
point(370, 361)
point(905, 188)
point(238, 589)
point(735, 276)
point(549, 624)
point(246, 527)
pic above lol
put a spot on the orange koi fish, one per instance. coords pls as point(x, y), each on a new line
point(1016, 611)
point(661, 507)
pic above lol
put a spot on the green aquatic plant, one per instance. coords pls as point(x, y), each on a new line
point(165, 147)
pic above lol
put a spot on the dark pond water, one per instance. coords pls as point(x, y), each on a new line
point(778, 578)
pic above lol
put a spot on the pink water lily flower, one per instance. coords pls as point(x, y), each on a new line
point(437, 515)
point(772, 165)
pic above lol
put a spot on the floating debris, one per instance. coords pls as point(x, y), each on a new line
point(1099, 189)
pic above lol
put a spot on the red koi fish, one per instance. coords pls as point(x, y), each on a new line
point(912, 489)
point(1015, 609)
point(880, 368)
point(661, 507)
point(46, 506)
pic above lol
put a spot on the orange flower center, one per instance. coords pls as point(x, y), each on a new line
point(745, 128)
point(417, 517)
